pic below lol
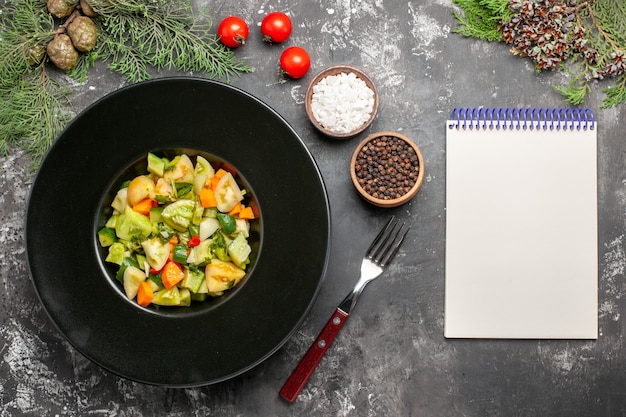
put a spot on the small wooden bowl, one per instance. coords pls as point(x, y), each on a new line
point(416, 171)
point(334, 70)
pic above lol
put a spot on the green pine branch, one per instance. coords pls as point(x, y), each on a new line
point(604, 25)
point(32, 114)
point(480, 18)
point(167, 36)
point(616, 94)
point(134, 36)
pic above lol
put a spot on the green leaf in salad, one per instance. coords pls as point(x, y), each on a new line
point(227, 222)
point(182, 188)
point(219, 247)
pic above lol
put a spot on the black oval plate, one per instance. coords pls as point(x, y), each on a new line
point(199, 346)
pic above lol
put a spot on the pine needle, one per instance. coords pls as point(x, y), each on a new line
point(615, 95)
point(480, 18)
point(32, 115)
point(166, 36)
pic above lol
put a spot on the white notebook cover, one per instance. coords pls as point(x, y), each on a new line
point(521, 231)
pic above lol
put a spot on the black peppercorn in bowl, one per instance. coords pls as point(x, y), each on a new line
point(387, 169)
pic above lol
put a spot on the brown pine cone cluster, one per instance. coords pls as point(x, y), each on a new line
point(549, 31)
point(77, 33)
point(545, 31)
point(616, 66)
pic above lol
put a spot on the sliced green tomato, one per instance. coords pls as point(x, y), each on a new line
point(167, 297)
point(203, 167)
point(227, 193)
point(156, 252)
point(120, 201)
point(179, 214)
point(182, 170)
point(132, 225)
point(221, 276)
point(239, 250)
point(133, 277)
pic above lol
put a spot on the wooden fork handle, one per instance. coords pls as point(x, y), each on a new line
point(313, 356)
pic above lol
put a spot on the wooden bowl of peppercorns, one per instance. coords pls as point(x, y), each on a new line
point(387, 169)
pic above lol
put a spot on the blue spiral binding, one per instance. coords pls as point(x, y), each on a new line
point(522, 118)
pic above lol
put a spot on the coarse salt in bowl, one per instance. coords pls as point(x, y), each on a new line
point(341, 101)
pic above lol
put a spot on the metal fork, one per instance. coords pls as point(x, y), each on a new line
point(382, 250)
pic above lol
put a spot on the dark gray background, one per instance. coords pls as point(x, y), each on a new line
point(391, 358)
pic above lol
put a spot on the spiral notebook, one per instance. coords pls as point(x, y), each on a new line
point(521, 224)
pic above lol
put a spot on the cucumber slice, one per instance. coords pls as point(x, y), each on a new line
point(193, 279)
point(117, 252)
point(239, 250)
point(106, 236)
point(156, 165)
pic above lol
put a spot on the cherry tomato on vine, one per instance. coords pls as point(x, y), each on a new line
point(295, 62)
point(276, 27)
point(233, 31)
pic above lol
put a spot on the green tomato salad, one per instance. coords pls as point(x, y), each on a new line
point(179, 233)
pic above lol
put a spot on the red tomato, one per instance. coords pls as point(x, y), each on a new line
point(295, 61)
point(276, 27)
point(233, 31)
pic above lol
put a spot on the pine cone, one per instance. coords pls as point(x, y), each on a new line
point(62, 53)
point(36, 54)
point(61, 8)
point(83, 33)
point(87, 9)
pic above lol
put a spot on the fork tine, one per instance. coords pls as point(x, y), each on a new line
point(383, 247)
point(386, 244)
point(370, 250)
point(396, 247)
